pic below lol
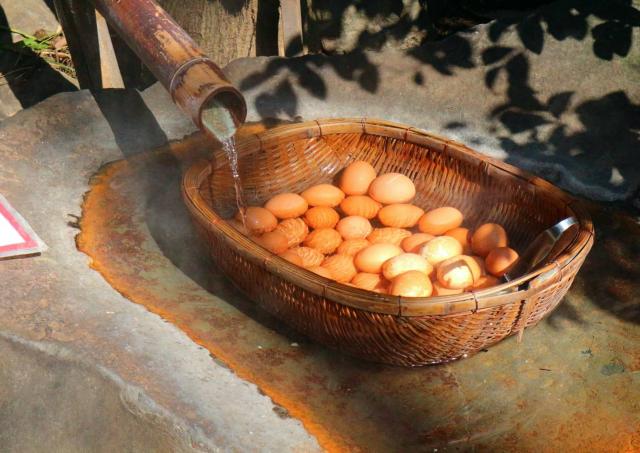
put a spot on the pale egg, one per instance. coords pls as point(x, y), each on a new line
point(400, 215)
point(500, 260)
point(357, 177)
point(325, 240)
point(392, 188)
point(413, 243)
point(361, 205)
point(321, 217)
point(411, 284)
point(341, 267)
point(323, 195)
point(403, 263)
point(287, 205)
point(488, 237)
point(354, 227)
point(440, 220)
point(440, 248)
point(458, 272)
point(372, 258)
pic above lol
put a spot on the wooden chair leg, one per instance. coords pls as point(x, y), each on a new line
point(290, 41)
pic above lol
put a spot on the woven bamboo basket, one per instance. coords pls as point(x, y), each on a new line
point(384, 328)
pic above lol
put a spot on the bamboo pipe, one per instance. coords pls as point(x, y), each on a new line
point(192, 79)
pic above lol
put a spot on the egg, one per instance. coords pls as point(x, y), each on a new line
point(258, 220)
point(458, 272)
point(274, 241)
point(321, 217)
point(325, 240)
point(440, 220)
point(324, 272)
point(323, 195)
point(361, 205)
point(403, 263)
point(481, 264)
point(411, 284)
point(413, 243)
point(388, 235)
point(294, 229)
point(287, 205)
point(463, 236)
point(354, 227)
point(372, 258)
point(356, 178)
point(439, 249)
point(439, 290)
point(486, 281)
point(341, 267)
point(371, 282)
point(488, 237)
point(352, 246)
point(310, 257)
point(291, 256)
point(500, 260)
point(400, 215)
point(236, 224)
point(392, 188)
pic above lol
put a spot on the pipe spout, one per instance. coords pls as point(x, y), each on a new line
point(194, 81)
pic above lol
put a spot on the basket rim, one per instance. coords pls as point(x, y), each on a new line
point(514, 291)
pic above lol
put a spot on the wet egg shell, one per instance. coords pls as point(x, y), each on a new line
point(488, 237)
point(411, 284)
point(439, 290)
point(321, 271)
point(321, 217)
point(400, 215)
point(369, 281)
point(403, 263)
point(392, 188)
point(440, 220)
point(356, 178)
point(352, 246)
point(500, 260)
point(325, 240)
point(413, 243)
point(354, 227)
point(294, 229)
point(458, 272)
point(440, 248)
point(463, 236)
point(291, 256)
point(323, 195)
point(341, 267)
point(287, 205)
point(274, 241)
point(361, 205)
point(388, 235)
point(486, 281)
point(310, 257)
point(373, 257)
point(258, 220)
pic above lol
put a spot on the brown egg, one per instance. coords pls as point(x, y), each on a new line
point(361, 205)
point(294, 229)
point(323, 195)
point(388, 235)
point(274, 241)
point(413, 243)
point(352, 246)
point(400, 215)
point(403, 263)
point(371, 282)
point(324, 240)
point(440, 248)
point(501, 260)
point(310, 257)
point(440, 220)
point(488, 237)
point(411, 284)
point(486, 281)
point(258, 220)
point(238, 226)
point(373, 257)
point(287, 205)
point(321, 217)
point(439, 290)
point(463, 236)
point(392, 188)
point(357, 177)
point(341, 267)
point(354, 227)
point(321, 271)
point(458, 272)
point(291, 256)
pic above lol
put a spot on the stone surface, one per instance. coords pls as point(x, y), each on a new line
point(556, 94)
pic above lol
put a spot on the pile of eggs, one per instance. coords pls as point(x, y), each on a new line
point(366, 233)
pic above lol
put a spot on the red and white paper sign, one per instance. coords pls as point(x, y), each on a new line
point(16, 237)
